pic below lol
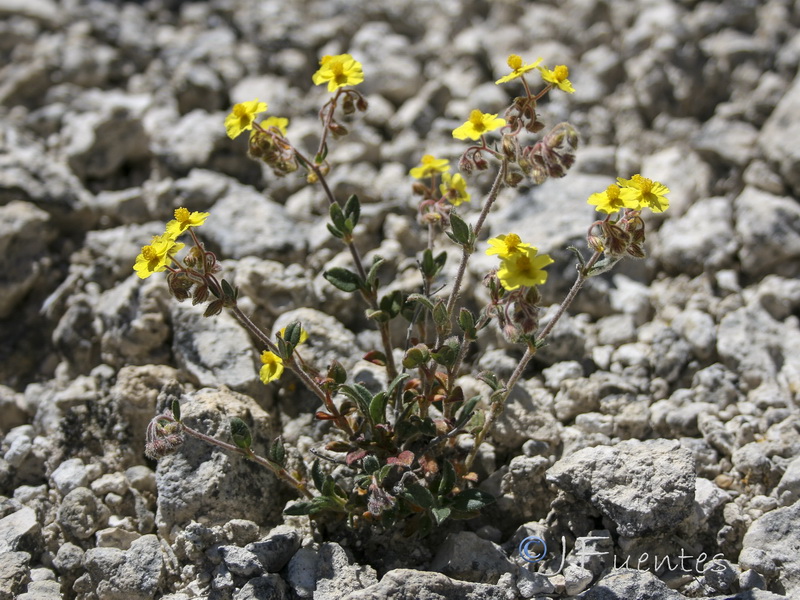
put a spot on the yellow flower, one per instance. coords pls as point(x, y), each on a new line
point(523, 268)
point(641, 192)
point(610, 200)
point(478, 124)
point(156, 255)
point(558, 77)
point(338, 71)
point(303, 335)
point(279, 123)
point(518, 68)
point(272, 367)
point(430, 165)
point(454, 189)
point(506, 245)
point(242, 117)
point(183, 220)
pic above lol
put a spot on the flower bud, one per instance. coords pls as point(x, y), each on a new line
point(362, 104)
point(348, 106)
point(513, 179)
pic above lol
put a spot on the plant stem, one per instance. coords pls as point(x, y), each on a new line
point(499, 403)
point(276, 469)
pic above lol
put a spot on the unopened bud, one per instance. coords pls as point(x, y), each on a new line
point(510, 147)
point(348, 106)
point(362, 104)
point(513, 179)
point(337, 130)
point(466, 165)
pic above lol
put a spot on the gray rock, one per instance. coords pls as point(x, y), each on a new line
point(80, 514)
point(237, 222)
point(141, 477)
point(301, 572)
point(12, 409)
point(91, 138)
point(69, 558)
point(25, 232)
point(699, 241)
point(622, 584)
point(467, 557)
point(526, 416)
point(531, 585)
point(20, 530)
point(14, 573)
point(424, 585)
point(771, 243)
point(788, 489)
point(776, 139)
point(240, 561)
point(777, 536)
point(273, 287)
point(277, 548)
point(214, 351)
point(644, 487)
point(337, 576)
point(524, 490)
point(202, 480)
point(267, 586)
point(134, 574)
point(724, 141)
point(69, 475)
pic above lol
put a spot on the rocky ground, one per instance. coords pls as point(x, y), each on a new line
point(662, 421)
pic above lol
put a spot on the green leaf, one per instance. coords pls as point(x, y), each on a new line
point(461, 231)
point(229, 292)
point(384, 472)
point(440, 514)
point(176, 409)
point(352, 210)
point(298, 509)
point(240, 433)
point(419, 495)
point(395, 382)
point(440, 316)
point(277, 452)
point(445, 355)
point(334, 232)
point(377, 407)
point(466, 320)
point(360, 395)
point(448, 479)
point(392, 303)
point(337, 372)
point(372, 276)
point(328, 486)
point(292, 333)
point(337, 216)
point(371, 464)
point(345, 280)
point(490, 379)
point(423, 300)
point(317, 475)
point(379, 316)
point(415, 356)
point(472, 500)
point(466, 411)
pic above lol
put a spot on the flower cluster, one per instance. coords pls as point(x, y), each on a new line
point(452, 190)
point(160, 252)
point(635, 193)
point(519, 263)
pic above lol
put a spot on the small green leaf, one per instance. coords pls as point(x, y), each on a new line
point(229, 292)
point(334, 232)
point(440, 316)
point(277, 452)
point(461, 231)
point(466, 411)
point(392, 303)
point(352, 210)
point(445, 355)
point(377, 407)
point(419, 495)
point(345, 280)
point(176, 409)
point(395, 382)
point(379, 316)
point(440, 514)
point(240, 433)
point(384, 472)
point(372, 276)
point(472, 500)
point(337, 372)
point(337, 216)
point(490, 379)
point(415, 356)
point(317, 475)
point(448, 479)
point(298, 509)
point(423, 300)
point(371, 464)
point(466, 320)
point(360, 395)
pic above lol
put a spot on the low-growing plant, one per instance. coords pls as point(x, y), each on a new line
point(401, 443)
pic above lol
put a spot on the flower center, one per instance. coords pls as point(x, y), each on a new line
point(561, 72)
point(149, 253)
point(644, 184)
point(476, 119)
point(182, 214)
point(512, 241)
point(514, 61)
point(612, 192)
